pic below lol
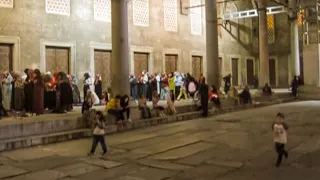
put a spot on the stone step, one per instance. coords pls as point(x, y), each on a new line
point(29, 141)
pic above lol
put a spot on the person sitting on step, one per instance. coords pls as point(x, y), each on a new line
point(113, 107)
point(245, 96)
point(146, 113)
point(155, 100)
point(214, 96)
point(266, 90)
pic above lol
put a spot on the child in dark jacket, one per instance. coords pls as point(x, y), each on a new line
point(98, 134)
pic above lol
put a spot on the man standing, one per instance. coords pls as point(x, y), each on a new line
point(204, 94)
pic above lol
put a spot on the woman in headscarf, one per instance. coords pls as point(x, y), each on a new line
point(18, 93)
point(28, 90)
point(98, 86)
point(64, 93)
point(6, 91)
point(75, 90)
point(87, 83)
point(50, 93)
point(38, 93)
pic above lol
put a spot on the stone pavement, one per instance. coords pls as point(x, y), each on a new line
point(234, 146)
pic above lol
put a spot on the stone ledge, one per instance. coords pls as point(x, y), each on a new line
point(29, 141)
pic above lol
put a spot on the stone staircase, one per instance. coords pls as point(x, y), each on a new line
point(68, 127)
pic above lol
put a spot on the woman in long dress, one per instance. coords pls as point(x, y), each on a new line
point(28, 90)
point(6, 91)
point(38, 93)
point(87, 84)
point(98, 86)
point(18, 94)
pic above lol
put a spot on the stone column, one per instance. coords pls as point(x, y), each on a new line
point(120, 48)
point(263, 44)
point(295, 53)
point(212, 47)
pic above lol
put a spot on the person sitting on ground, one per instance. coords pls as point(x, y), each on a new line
point(90, 99)
point(233, 94)
point(144, 107)
point(245, 96)
point(124, 103)
point(155, 100)
point(170, 103)
point(113, 107)
point(266, 90)
point(214, 96)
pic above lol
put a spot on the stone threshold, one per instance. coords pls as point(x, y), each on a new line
point(31, 141)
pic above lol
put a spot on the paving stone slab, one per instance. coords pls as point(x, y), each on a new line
point(151, 174)
point(202, 172)
point(174, 143)
point(198, 158)
point(231, 164)
point(101, 162)
point(183, 151)
point(163, 164)
point(41, 175)
point(111, 174)
point(125, 156)
point(45, 163)
point(9, 171)
point(77, 169)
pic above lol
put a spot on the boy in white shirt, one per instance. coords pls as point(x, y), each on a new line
point(280, 137)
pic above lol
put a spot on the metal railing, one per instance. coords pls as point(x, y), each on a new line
point(252, 13)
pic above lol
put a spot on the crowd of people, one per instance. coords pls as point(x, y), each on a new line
point(34, 92)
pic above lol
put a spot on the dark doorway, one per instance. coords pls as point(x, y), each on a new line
point(250, 71)
point(102, 61)
point(196, 66)
point(140, 63)
point(6, 61)
point(171, 63)
point(57, 59)
point(272, 72)
point(235, 71)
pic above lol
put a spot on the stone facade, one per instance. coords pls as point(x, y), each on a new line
point(28, 22)
point(240, 39)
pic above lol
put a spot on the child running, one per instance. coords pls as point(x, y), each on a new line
point(98, 134)
point(280, 137)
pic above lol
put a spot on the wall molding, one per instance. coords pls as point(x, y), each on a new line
point(16, 58)
point(67, 44)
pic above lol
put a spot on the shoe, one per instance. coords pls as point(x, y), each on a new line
point(129, 120)
point(104, 153)
point(90, 154)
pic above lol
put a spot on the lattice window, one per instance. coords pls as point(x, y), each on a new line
point(102, 10)
point(140, 12)
point(270, 26)
point(170, 15)
point(6, 3)
point(61, 7)
point(196, 17)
